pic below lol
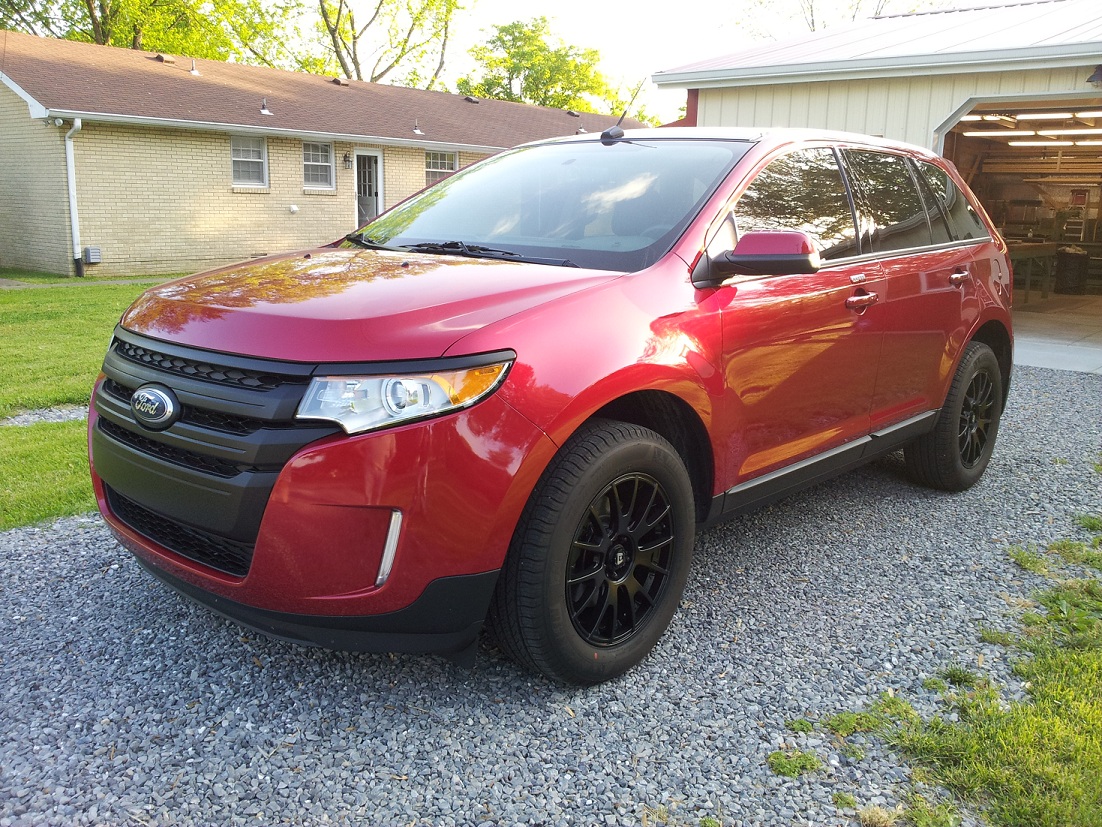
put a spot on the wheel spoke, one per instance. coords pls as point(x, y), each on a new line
point(620, 559)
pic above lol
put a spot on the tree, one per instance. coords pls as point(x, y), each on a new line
point(250, 31)
point(519, 63)
point(412, 34)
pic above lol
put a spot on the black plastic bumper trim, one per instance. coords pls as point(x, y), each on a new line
point(446, 618)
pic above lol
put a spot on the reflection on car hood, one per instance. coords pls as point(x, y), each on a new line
point(330, 305)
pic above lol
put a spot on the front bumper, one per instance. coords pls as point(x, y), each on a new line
point(315, 551)
point(447, 617)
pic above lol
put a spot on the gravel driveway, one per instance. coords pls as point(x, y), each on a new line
point(120, 703)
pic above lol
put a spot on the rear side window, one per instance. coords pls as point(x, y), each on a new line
point(802, 191)
point(964, 222)
point(888, 200)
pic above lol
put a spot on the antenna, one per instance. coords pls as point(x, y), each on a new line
point(615, 133)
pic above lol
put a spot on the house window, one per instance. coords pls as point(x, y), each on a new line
point(317, 165)
point(438, 166)
point(250, 161)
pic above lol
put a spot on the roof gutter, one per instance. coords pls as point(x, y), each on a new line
point(71, 176)
point(246, 129)
point(1077, 55)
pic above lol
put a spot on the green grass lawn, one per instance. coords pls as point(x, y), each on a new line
point(1034, 763)
point(52, 342)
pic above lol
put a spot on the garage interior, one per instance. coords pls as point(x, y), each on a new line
point(1037, 168)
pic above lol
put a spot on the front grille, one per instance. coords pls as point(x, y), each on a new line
point(203, 547)
point(177, 456)
point(201, 369)
point(200, 486)
point(215, 420)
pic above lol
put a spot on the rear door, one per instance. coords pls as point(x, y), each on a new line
point(928, 292)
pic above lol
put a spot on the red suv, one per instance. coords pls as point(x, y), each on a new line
point(518, 395)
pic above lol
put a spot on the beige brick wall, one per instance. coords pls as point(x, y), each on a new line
point(34, 207)
point(163, 201)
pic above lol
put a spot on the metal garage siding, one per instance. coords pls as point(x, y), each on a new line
point(905, 108)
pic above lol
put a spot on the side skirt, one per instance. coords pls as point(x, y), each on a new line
point(760, 491)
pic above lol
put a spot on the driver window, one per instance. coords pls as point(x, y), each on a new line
point(802, 191)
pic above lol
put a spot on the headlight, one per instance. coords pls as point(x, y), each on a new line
point(365, 403)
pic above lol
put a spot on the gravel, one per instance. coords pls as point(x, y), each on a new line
point(122, 703)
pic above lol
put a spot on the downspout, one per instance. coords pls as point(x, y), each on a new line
point(71, 175)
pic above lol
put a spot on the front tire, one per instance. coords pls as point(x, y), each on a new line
point(600, 557)
point(954, 455)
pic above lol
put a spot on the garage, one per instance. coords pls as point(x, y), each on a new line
point(1012, 94)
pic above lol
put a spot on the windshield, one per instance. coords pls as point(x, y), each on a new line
point(615, 207)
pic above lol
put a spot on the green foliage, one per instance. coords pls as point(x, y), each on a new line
point(960, 677)
point(853, 752)
point(1028, 559)
point(520, 63)
point(1091, 522)
point(844, 724)
point(935, 684)
point(844, 801)
point(799, 725)
point(921, 813)
point(708, 821)
point(989, 635)
point(43, 473)
point(793, 763)
point(247, 31)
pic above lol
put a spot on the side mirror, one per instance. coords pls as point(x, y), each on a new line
point(764, 253)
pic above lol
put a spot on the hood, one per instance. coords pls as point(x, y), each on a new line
point(344, 305)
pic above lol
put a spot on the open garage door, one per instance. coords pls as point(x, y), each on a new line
point(1037, 167)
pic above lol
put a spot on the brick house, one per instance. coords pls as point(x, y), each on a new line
point(158, 164)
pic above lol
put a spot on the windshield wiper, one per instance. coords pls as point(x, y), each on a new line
point(461, 248)
point(361, 240)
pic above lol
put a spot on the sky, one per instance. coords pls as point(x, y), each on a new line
point(634, 40)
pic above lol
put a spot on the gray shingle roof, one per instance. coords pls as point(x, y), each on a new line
point(1045, 30)
point(67, 79)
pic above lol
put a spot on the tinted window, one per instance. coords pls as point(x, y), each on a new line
point(802, 191)
point(889, 201)
point(939, 223)
point(964, 222)
point(617, 207)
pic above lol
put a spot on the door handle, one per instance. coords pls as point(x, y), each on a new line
point(959, 277)
point(862, 300)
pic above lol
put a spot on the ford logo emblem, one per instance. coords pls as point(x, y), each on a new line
point(154, 407)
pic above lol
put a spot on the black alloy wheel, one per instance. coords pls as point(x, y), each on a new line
point(599, 557)
point(619, 560)
point(954, 455)
point(977, 415)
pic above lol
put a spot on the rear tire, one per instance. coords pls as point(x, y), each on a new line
point(954, 455)
point(600, 557)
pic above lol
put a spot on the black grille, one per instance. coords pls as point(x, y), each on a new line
point(215, 420)
point(199, 369)
point(177, 456)
point(203, 547)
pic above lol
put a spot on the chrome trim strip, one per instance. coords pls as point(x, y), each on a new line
point(390, 548)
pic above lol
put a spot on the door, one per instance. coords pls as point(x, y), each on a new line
point(801, 351)
point(930, 278)
point(368, 204)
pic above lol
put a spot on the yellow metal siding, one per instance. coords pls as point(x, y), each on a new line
point(905, 108)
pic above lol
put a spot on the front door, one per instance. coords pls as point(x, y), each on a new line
point(367, 188)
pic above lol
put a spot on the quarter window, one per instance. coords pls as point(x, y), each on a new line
point(438, 166)
point(964, 221)
point(249, 157)
point(317, 165)
point(889, 201)
point(802, 191)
